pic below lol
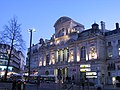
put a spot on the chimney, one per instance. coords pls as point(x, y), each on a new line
point(102, 26)
point(117, 25)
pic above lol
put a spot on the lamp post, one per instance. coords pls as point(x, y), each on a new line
point(30, 30)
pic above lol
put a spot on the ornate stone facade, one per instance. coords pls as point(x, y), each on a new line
point(79, 53)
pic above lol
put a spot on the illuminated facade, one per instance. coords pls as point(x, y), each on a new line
point(16, 62)
point(79, 53)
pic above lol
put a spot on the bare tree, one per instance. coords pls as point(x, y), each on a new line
point(11, 35)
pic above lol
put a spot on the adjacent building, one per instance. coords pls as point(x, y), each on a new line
point(78, 53)
point(16, 63)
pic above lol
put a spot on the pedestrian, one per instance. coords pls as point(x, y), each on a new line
point(14, 84)
point(82, 85)
point(38, 82)
point(73, 78)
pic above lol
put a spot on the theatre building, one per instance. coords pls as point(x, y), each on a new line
point(79, 53)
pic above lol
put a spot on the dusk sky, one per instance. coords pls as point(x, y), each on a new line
point(42, 14)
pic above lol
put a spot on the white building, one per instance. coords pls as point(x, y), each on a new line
point(93, 53)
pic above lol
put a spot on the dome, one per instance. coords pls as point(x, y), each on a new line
point(62, 20)
point(95, 26)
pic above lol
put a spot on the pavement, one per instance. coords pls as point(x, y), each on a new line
point(106, 87)
point(50, 86)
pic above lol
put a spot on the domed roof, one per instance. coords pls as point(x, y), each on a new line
point(62, 20)
point(95, 26)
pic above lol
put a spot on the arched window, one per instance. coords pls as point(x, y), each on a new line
point(83, 53)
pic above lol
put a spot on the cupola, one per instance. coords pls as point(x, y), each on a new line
point(95, 26)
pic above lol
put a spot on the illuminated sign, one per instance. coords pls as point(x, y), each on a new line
point(85, 65)
point(85, 69)
point(4, 67)
point(91, 76)
point(91, 73)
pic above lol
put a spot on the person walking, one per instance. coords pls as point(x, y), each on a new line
point(14, 84)
point(38, 82)
point(82, 85)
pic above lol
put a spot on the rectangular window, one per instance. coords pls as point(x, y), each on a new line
point(63, 54)
point(119, 42)
point(58, 56)
point(47, 59)
point(109, 52)
point(119, 51)
point(67, 54)
point(109, 43)
point(109, 74)
point(83, 53)
point(118, 67)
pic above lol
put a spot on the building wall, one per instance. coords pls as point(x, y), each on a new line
point(15, 61)
point(79, 54)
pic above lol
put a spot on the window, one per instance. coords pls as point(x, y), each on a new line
point(4, 45)
point(109, 74)
point(111, 66)
point(0, 45)
point(109, 43)
point(71, 56)
point(118, 67)
point(67, 54)
point(109, 52)
point(58, 56)
point(118, 42)
point(63, 54)
point(119, 51)
point(83, 53)
point(47, 59)
point(92, 53)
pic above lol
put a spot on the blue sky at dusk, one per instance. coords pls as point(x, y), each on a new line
point(42, 14)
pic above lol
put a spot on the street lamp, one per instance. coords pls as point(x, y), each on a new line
point(30, 30)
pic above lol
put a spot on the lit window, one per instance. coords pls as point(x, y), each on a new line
point(40, 64)
point(52, 60)
point(71, 57)
point(78, 57)
point(44, 63)
point(119, 51)
point(92, 53)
